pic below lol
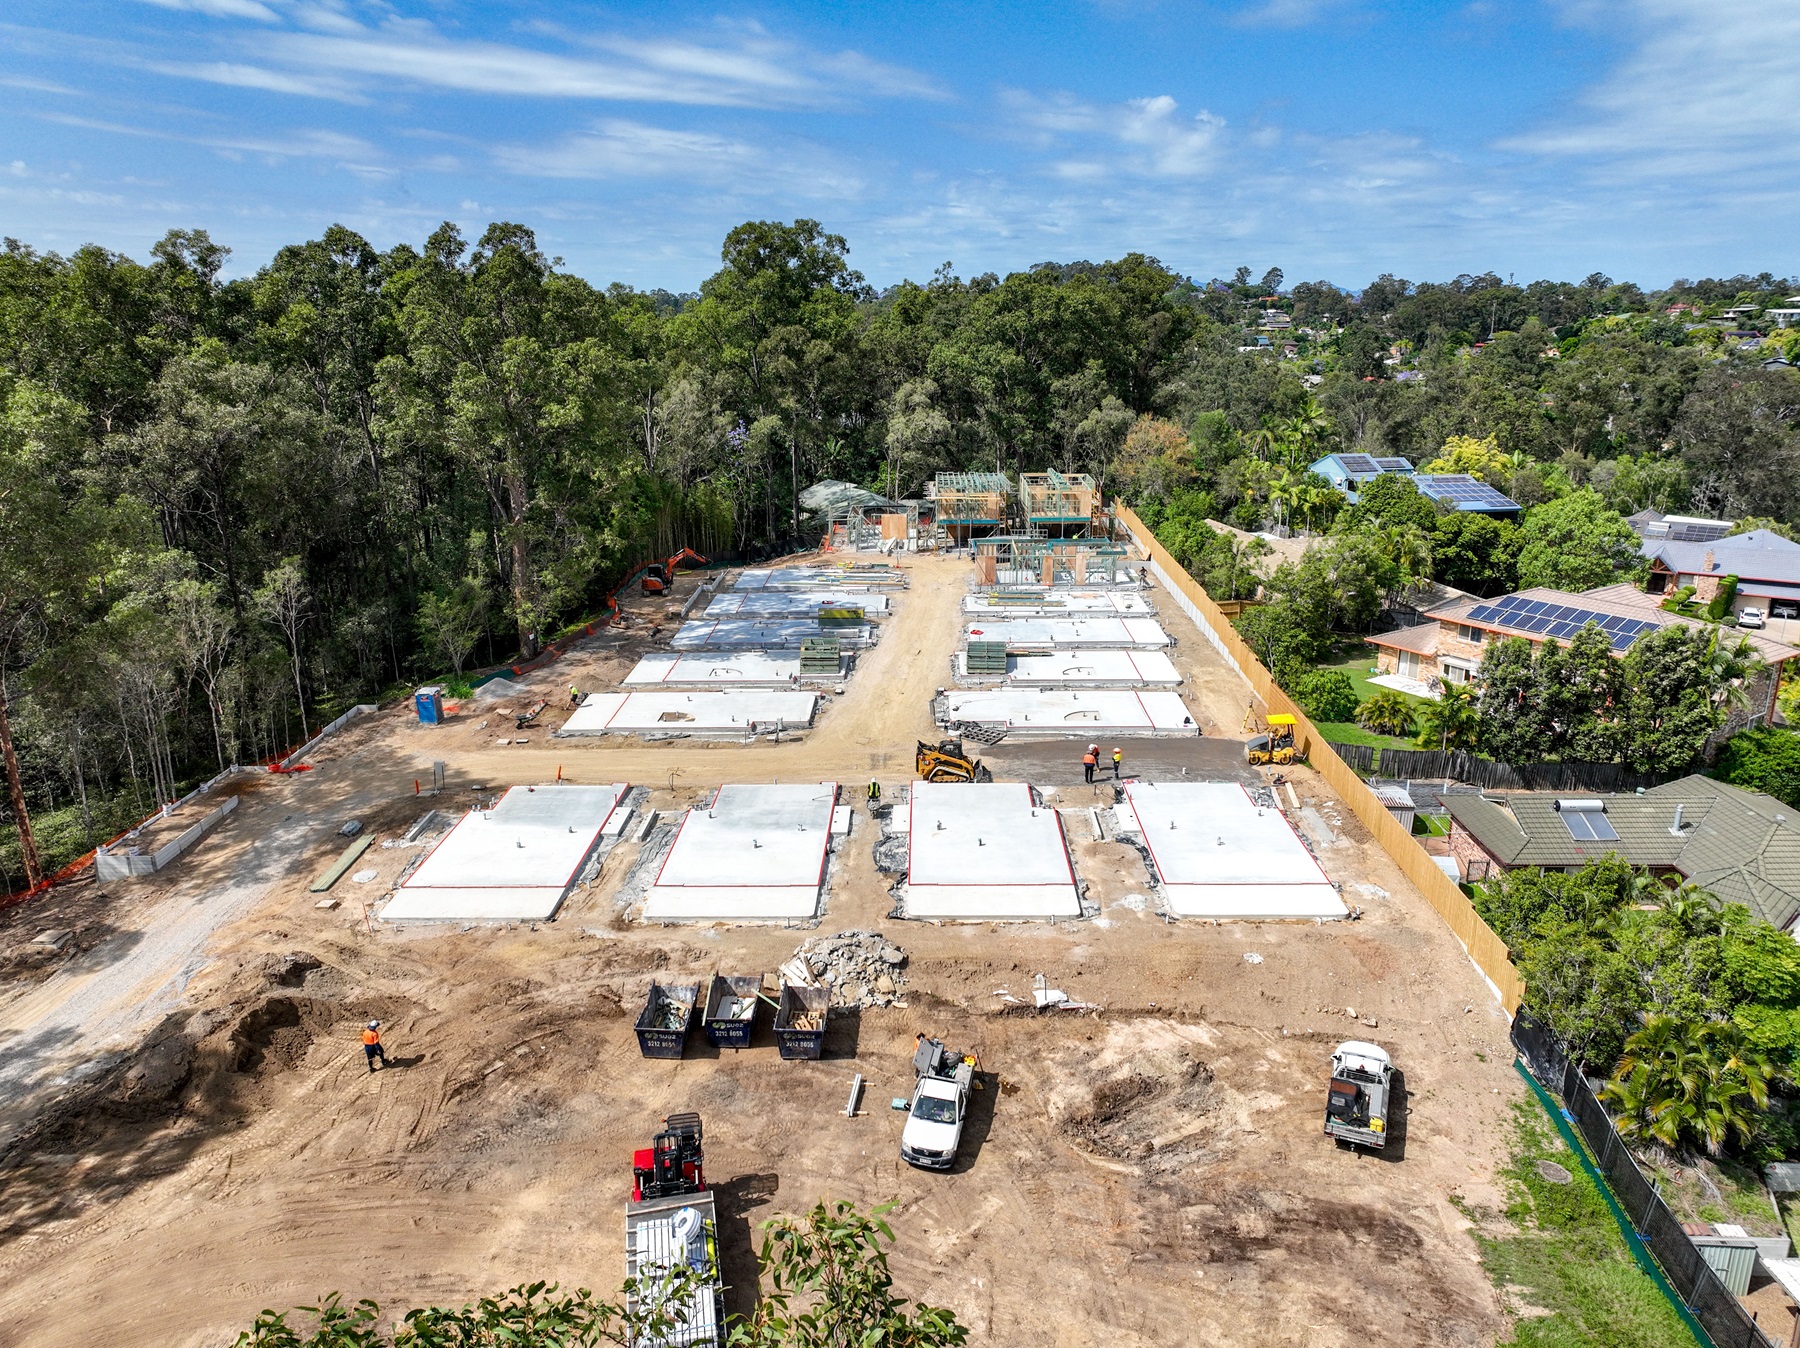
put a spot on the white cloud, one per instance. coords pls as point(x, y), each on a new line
point(1143, 137)
point(36, 86)
point(1285, 13)
point(258, 77)
point(1707, 89)
point(350, 152)
point(222, 9)
point(627, 150)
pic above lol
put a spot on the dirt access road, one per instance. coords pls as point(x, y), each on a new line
point(1145, 1174)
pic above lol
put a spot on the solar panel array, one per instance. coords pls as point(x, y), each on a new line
point(1394, 465)
point(1589, 826)
point(1559, 621)
point(1358, 463)
point(1464, 490)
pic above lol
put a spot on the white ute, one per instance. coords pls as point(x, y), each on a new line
point(940, 1103)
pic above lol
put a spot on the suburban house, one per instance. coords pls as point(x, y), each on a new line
point(1767, 567)
point(1654, 526)
point(1458, 491)
point(1742, 845)
point(1447, 647)
point(1347, 472)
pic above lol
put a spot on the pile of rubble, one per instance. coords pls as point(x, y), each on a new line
point(862, 968)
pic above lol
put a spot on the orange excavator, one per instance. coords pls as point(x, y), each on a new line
point(659, 575)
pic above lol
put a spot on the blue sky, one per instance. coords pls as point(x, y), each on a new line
point(1336, 139)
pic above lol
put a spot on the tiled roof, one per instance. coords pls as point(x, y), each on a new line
point(1741, 845)
point(1422, 638)
point(1760, 555)
point(1626, 601)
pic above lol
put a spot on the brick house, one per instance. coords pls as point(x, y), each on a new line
point(1767, 567)
point(1741, 845)
point(1448, 646)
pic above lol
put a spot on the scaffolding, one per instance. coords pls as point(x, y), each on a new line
point(1058, 501)
point(1027, 560)
point(967, 503)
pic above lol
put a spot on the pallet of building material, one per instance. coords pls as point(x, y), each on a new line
point(667, 1019)
point(841, 615)
point(821, 658)
point(731, 1009)
point(985, 657)
point(800, 1020)
point(345, 861)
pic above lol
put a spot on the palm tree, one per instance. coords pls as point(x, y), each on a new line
point(1730, 668)
point(1387, 713)
point(1409, 550)
point(1685, 1082)
point(1452, 721)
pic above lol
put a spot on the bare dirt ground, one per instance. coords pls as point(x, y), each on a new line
point(196, 1137)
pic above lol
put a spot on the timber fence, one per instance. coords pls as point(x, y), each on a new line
point(1462, 766)
point(1485, 949)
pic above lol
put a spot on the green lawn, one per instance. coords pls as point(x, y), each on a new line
point(1348, 732)
point(1563, 1269)
point(1359, 664)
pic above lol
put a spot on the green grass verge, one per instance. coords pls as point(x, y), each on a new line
point(1357, 662)
point(1568, 1275)
point(1348, 732)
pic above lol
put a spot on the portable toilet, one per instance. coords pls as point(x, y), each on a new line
point(430, 702)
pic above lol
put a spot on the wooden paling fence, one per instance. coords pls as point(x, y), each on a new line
point(1441, 892)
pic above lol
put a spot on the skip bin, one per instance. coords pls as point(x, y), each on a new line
point(731, 1009)
point(666, 1020)
point(800, 1020)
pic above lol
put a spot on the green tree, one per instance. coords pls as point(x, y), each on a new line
point(1391, 499)
point(827, 1286)
point(1763, 758)
point(1387, 712)
point(1666, 707)
point(1576, 543)
point(1325, 694)
point(1451, 722)
point(1476, 552)
point(1680, 1084)
point(1515, 727)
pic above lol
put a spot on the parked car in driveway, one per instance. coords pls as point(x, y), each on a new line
point(1751, 617)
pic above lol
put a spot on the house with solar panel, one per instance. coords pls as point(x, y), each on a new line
point(1766, 567)
point(1741, 845)
point(1347, 472)
point(1455, 491)
point(1448, 646)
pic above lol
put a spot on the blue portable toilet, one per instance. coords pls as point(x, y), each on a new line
point(430, 702)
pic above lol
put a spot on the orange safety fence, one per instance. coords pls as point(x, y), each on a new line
point(1487, 950)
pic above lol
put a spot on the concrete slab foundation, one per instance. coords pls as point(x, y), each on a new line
point(823, 577)
point(733, 669)
point(1081, 669)
point(513, 863)
point(1216, 853)
point(757, 854)
point(794, 603)
point(1103, 713)
point(1052, 603)
point(1138, 634)
point(762, 634)
point(986, 852)
point(725, 714)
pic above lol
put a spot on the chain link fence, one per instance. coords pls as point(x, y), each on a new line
point(1721, 1315)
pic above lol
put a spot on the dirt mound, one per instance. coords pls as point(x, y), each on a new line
point(278, 1032)
point(1155, 1113)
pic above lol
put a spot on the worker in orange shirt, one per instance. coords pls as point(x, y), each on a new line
point(372, 1044)
point(1088, 762)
